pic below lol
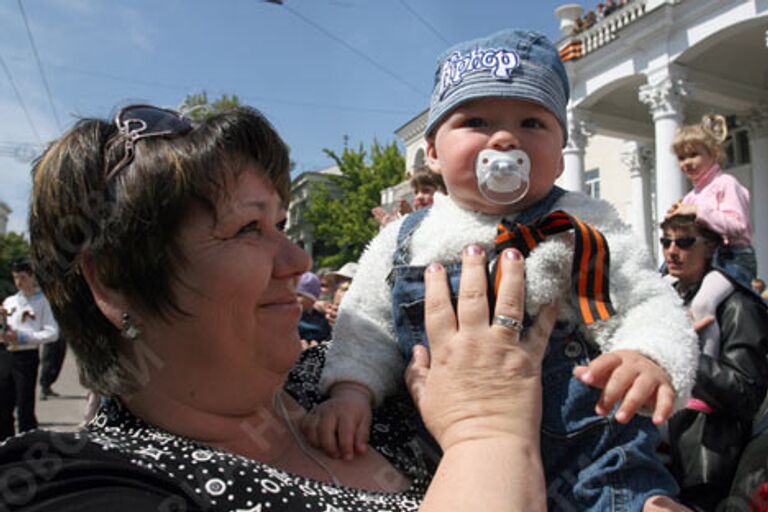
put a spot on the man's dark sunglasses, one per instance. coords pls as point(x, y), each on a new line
point(684, 242)
point(136, 122)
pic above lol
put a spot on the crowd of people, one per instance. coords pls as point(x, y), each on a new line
point(491, 349)
point(602, 11)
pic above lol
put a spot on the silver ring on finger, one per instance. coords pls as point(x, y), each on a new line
point(512, 323)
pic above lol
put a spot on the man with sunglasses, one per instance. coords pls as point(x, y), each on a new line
point(707, 437)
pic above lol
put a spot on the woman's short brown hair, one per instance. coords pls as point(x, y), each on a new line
point(128, 226)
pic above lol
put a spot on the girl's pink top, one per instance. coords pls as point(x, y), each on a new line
point(722, 205)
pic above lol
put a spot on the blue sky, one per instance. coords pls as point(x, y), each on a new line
point(319, 69)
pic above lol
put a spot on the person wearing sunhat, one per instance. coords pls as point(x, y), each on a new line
point(342, 279)
point(313, 326)
point(346, 272)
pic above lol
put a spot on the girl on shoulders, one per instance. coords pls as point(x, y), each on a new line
point(721, 204)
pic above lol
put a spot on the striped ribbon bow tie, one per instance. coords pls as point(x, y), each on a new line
point(589, 274)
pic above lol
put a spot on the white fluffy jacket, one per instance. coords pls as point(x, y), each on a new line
point(650, 316)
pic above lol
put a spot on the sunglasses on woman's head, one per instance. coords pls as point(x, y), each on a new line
point(684, 242)
point(136, 122)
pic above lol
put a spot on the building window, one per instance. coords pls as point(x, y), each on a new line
point(736, 145)
point(418, 161)
point(592, 183)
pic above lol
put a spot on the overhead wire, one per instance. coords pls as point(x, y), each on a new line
point(424, 22)
point(187, 88)
point(355, 50)
point(20, 99)
point(40, 66)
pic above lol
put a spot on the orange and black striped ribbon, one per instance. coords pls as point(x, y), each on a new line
point(591, 259)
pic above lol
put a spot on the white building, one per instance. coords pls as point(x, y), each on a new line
point(644, 71)
point(638, 75)
point(296, 228)
point(5, 211)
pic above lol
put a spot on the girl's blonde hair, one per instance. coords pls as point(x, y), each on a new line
point(711, 132)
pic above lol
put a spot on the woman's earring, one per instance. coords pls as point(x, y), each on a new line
point(130, 330)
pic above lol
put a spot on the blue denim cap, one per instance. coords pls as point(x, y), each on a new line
point(516, 64)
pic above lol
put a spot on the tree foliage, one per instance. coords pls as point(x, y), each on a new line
point(342, 221)
point(13, 246)
point(197, 107)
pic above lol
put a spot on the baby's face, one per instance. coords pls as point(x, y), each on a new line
point(502, 124)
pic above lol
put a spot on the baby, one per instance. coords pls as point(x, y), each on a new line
point(496, 127)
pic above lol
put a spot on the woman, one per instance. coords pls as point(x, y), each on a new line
point(159, 245)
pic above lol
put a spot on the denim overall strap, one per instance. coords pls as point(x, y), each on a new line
point(402, 254)
point(542, 207)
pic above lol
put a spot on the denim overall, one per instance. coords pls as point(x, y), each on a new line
point(590, 462)
point(738, 262)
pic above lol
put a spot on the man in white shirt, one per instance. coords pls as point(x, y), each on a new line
point(28, 324)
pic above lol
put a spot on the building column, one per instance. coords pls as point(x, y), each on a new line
point(639, 159)
point(573, 152)
point(758, 150)
point(665, 101)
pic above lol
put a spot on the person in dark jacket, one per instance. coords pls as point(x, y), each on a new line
point(709, 435)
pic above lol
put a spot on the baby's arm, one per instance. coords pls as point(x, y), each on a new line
point(364, 363)
point(340, 425)
point(635, 380)
point(652, 324)
point(653, 349)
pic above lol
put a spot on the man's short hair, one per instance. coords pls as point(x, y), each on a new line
point(689, 222)
point(423, 177)
point(22, 265)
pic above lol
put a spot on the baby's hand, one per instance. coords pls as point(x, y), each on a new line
point(634, 379)
point(340, 425)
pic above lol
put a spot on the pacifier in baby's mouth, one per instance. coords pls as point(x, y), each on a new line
point(503, 176)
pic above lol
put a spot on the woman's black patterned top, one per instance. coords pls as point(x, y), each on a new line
point(122, 446)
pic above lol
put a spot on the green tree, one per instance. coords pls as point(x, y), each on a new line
point(197, 107)
point(13, 246)
point(342, 222)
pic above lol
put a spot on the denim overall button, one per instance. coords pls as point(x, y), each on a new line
point(572, 349)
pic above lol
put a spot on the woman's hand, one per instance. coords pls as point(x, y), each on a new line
point(481, 381)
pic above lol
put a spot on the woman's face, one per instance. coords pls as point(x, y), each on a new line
point(239, 286)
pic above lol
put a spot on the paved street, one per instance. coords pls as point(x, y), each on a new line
point(64, 412)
